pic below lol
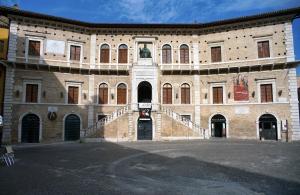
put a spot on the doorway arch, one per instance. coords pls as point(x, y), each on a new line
point(72, 127)
point(144, 92)
point(218, 126)
point(268, 127)
point(30, 129)
point(144, 129)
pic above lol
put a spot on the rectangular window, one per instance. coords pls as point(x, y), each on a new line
point(31, 93)
point(1, 46)
point(217, 95)
point(101, 116)
point(186, 117)
point(167, 95)
point(34, 48)
point(73, 93)
point(263, 49)
point(75, 52)
point(216, 55)
point(266, 93)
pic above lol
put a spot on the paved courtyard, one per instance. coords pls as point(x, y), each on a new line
point(181, 167)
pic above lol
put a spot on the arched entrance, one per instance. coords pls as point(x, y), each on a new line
point(268, 127)
point(72, 127)
point(218, 126)
point(30, 128)
point(144, 130)
point(144, 92)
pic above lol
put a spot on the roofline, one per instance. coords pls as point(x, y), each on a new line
point(292, 12)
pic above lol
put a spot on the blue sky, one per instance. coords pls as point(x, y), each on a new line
point(158, 11)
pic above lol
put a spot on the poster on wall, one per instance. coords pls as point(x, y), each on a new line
point(241, 92)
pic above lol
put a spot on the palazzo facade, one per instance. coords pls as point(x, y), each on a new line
point(71, 80)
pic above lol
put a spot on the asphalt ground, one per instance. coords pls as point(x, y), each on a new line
point(179, 167)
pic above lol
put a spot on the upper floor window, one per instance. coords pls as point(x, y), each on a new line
point(167, 93)
point(123, 54)
point(73, 94)
point(217, 95)
point(184, 54)
point(166, 54)
point(121, 94)
point(34, 48)
point(216, 55)
point(104, 53)
point(31, 93)
point(103, 93)
point(75, 52)
point(266, 93)
point(185, 93)
point(263, 49)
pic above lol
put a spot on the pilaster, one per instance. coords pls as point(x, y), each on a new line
point(91, 100)
point(7, 108)
point(12, 50)
point(93, 51)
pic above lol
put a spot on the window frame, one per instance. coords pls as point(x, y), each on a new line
point(216, 44)
point(118, 50)
point(263, 82)
point(258, 39)
point(71, 43)
point(117, 93)
point(223, 85)
point(189, 54)
point(98, 95)
point(32, 82)
point(190, 92)
point(161, 53)
point(162, 92)
point(33, 38)
point(109, 57)
point(73, 84)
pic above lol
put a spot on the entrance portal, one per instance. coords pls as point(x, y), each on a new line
point(144, 129)
point(30, 128)
point(218, 126)
point(268, 127)
point(144, 92)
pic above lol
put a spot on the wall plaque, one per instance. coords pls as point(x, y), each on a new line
point(56, 47)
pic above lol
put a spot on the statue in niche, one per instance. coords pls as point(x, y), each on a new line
point(145, 52)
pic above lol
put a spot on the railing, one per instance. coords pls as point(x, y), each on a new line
point(108, 119)
point(183, 120)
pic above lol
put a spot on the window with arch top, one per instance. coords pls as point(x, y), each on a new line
point(103, 93)
point(185, 93)
point(167, 93)
point(166, 54)
point(104, 53)
point(121, 94)
point(123, 54)
point(184, 54)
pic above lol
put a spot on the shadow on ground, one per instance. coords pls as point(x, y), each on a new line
point(109, 168)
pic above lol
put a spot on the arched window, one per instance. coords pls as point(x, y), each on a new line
point(121, 94)
point(184, 54)
point(103, 93)
point(104, 53)
point(185, 93)
point(166, 54)
point(123, 54)
point(167, 93)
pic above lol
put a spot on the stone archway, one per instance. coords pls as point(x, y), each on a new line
point(144, 92)
point(218, 126)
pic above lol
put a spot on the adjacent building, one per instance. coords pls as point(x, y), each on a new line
point(68, 79)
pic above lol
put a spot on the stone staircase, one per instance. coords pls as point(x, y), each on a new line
point(105, 121)
point(200, 132)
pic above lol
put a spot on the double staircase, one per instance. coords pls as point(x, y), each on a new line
point(99, 125)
